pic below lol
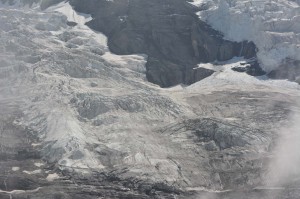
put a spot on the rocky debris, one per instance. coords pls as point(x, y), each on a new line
point(26, 178)
point(90, 106)
point(234, 152)
point(224, 135)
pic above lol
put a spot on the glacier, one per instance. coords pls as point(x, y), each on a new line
point(78, 121)
point(274, 26)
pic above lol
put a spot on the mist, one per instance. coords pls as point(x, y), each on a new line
point(284, 168)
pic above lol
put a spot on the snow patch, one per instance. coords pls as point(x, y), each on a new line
point(32, 172)
point(51, 177)
point(37, 164)
point(15, 168)
point(197, 2)
point(133, 62)
point(36, 144)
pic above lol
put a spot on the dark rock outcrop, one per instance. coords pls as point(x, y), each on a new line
point(290, 70)
point(168, 31)
point(251, 68)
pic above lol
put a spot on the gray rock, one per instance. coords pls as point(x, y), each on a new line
point(167, 31)
point(76, 155)
point(90, 108)
point(289, 70)
point(93, 84)
point(211, 146)
point(197, 74)
point(297, 79)
point(251, 68)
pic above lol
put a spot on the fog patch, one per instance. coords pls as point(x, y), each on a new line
point(284, 168)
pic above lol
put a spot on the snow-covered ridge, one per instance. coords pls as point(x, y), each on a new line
point(274, 26)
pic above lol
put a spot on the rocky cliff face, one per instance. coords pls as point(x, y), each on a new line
point(168, 31)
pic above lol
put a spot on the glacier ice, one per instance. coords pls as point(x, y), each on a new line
point(274, 26)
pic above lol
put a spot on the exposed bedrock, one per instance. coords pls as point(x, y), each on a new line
point(290, 70)
point(168, 31)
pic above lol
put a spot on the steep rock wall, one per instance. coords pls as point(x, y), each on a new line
point(168, 31)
